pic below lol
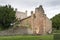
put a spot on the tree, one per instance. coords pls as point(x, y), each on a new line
point(7, 16)
point(56, 21)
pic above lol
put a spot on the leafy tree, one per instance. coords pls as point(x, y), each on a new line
point(7, 16)
point(56, 21)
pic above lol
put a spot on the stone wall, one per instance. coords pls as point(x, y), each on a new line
point(16, 31)
point(20, 15)
point(38, 21)
point(48, 25)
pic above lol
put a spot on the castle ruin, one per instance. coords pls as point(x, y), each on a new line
point(37, 23)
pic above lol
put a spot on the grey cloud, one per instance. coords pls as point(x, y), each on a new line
point(54, 3)
point(31, 4)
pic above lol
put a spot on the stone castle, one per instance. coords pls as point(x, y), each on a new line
point(36, 23)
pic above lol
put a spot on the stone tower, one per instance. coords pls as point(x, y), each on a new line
point(39, 21)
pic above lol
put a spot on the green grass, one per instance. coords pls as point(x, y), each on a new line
point(45, 37)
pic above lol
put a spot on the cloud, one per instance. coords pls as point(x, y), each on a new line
point(50, 6)
point(55, 3)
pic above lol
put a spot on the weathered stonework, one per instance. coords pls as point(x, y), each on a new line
point(37, 23)
point(21, 15)
point(40, 24)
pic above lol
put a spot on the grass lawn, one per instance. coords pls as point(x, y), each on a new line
point(29, 37)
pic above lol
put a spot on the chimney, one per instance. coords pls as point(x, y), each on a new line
point(15, 9)
point(31, 12)
point(26, 12)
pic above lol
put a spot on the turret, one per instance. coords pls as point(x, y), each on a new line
point(39, 9)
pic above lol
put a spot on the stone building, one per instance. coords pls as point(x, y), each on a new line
point(21, 15)
point(37, 22)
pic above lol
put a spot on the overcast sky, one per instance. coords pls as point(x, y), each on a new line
point(51, 7)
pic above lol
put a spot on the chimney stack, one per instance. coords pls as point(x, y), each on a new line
point(16, 9)
point(26, 12)
point(31, 12)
